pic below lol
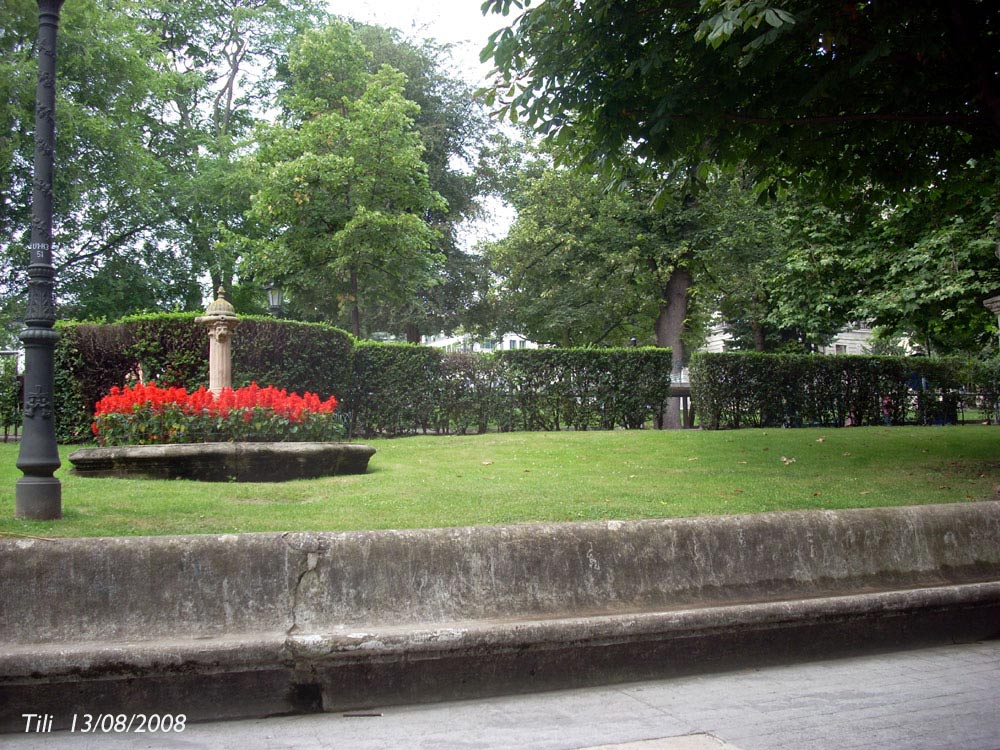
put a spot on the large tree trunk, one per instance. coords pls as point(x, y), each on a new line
point(669, 328)
point(759, 335)
point(355, 308)
point(412, 333)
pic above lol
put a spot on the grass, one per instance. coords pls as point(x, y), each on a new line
point(566, 476)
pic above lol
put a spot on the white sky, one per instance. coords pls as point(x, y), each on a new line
point(457, 22)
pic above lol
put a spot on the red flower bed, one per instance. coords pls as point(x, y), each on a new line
point(145, 414)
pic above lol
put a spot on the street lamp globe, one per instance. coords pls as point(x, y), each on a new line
point(275, 297)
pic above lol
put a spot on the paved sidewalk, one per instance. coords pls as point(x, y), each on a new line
point(937, 698)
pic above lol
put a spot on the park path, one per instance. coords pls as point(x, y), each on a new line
point(934, 698)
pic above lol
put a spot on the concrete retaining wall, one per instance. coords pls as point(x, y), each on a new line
point(252, 624)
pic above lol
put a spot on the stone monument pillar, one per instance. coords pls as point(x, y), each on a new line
point(220, 319)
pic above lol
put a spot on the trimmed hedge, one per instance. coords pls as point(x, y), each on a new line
point(295, 356)
point(986, 375)
point(395, 389)
point(89, 360)
point(749, 389)
point(172, 350)
point(169, 348)
point(473, 394)
point(586, 388)
point(10, 396)
point(403, 389)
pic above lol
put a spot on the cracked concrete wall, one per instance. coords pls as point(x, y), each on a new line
point(297, 583)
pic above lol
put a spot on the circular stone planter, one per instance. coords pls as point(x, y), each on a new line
point(224, 462)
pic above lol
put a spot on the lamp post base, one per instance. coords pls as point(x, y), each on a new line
point(38, 499)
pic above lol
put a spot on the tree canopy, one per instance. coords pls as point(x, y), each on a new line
point(843, 94)
point(887, 112)
point(453, 126)
point(159, 105)
point(151, 98)
point(107, 197)
point(583, 264)
point(341, 191)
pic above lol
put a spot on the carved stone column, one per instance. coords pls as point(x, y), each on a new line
point(38, 494)
point(220, 319)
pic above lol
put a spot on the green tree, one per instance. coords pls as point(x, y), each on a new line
point(782, 273)
point(918, 267)
point(816, 278)
point(584, 264)
point(453, 126)
point(841, 94)
point(888, 111)
point(560, 269)
point(745, 248)
point(158, 104)
point(107, 182)
point(221, 58)
point(929, 258)
point(342, 194)
point(151, 99)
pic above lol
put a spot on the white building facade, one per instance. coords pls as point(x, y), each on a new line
point(465, 342)
point(856, 339)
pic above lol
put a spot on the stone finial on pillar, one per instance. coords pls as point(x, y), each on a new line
point(220, 319)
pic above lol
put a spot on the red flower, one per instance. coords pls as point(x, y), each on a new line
point(143, 400)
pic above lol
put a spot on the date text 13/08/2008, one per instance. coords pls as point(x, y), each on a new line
point(109, 723)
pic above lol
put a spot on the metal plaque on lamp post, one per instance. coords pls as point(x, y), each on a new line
point(38, 494)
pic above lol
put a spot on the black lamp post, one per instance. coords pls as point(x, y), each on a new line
point(275, 298)
point(38, 494)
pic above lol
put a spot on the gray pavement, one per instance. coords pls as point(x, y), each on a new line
point(944, 697)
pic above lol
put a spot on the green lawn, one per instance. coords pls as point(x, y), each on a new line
point(566, 476)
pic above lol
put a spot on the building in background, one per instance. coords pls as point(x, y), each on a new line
point(855, 339)
point(465, 342)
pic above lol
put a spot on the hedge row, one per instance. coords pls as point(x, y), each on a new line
point(583, 388)
point(742, 389)
point(985, 374)
point(403, 389)
point(394, 389)
point(384, 389)
point(172, 350)
point(399, 389)
point(10, 396)
point(89, 360)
